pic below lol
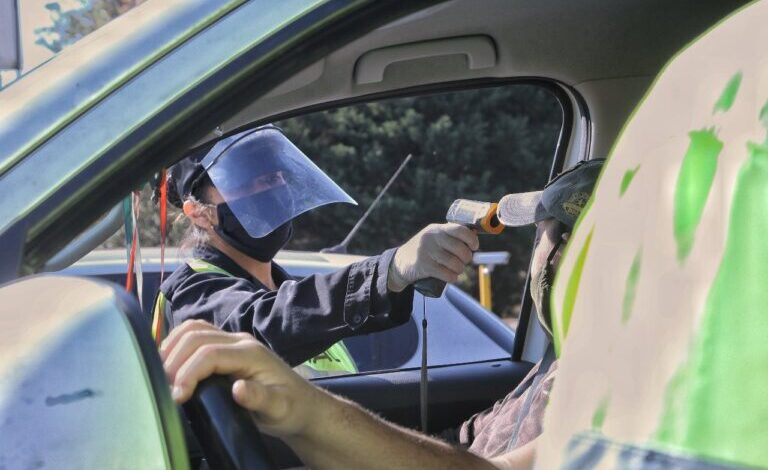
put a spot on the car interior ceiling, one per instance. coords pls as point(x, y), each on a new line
point(608, 52)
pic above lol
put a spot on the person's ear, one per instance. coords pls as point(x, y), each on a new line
point(199, 214)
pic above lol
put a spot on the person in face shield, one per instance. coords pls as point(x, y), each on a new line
point(241, 196)
point(327, 431)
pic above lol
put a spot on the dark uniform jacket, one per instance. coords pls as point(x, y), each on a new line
point(300, 319)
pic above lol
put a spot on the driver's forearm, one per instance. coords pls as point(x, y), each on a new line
point(343, 435)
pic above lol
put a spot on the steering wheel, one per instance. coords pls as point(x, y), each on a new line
point(228, 435)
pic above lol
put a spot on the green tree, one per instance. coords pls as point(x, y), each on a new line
point(69, 26)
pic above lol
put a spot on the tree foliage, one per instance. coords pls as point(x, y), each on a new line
point(70, 25)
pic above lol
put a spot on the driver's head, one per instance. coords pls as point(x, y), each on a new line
point(554, 210)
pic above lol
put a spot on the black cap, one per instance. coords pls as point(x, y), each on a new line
point(184, 176)
point(563, 198)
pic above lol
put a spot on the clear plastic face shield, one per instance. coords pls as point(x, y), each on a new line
point(267, 181)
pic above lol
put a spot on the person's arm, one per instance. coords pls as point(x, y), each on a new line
point(301, 318)
point(346, 436)
point(324, 430)
point(304, 318)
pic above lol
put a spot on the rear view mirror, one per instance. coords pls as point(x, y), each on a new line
point(81, 382)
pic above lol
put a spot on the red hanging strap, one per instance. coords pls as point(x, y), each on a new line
point(163, 219)
point(134, 243)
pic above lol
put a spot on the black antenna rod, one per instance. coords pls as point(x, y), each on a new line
point(342, 247)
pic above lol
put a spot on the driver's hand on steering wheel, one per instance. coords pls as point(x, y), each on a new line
point(284, 404)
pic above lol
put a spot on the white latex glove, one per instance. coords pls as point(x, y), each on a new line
point(440, 251)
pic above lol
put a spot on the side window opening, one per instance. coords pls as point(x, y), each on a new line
point(472, 144)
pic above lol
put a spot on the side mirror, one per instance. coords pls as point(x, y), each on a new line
point(81, 382)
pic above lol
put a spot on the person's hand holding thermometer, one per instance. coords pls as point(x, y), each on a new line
point(439, 253)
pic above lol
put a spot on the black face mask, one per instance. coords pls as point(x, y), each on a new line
point(541, 289)
point(262, 249)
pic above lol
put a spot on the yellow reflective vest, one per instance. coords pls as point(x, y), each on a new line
point(333, 360)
